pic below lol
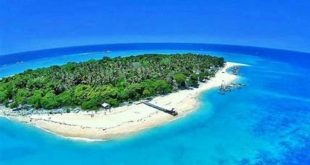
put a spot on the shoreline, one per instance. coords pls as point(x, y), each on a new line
point(125, 120)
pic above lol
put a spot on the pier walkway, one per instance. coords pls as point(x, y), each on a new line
point(169, 111)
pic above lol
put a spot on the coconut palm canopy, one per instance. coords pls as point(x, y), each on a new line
point(111, 80)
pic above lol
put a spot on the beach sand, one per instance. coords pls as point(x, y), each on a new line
point(124, 120)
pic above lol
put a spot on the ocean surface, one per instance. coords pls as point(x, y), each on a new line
point(265, 123)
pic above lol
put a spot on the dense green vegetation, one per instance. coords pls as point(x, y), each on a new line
point(110, 80)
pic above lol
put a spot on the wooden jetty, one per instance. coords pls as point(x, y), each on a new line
point(169, 111)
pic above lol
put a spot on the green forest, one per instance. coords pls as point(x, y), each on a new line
point(108, 80)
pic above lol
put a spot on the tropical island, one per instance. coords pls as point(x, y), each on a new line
point(102, 99)
point(110, 80)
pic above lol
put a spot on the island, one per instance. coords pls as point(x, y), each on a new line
point(112, 97)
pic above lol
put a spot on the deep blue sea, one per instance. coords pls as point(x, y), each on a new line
point(265, 123)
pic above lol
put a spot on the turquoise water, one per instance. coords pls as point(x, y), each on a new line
point(267, 122)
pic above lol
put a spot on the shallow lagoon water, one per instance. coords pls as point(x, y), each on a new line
point(267, 122)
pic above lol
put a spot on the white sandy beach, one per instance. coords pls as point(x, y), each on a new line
point(125, 120)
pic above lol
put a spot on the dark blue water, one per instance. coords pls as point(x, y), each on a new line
point(267, 122)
